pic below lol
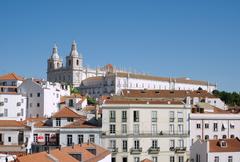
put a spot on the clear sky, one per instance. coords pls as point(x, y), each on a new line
point(196, 39)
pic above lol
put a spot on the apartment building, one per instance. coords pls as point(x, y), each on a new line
point(12, 106)
point(217, 150)
point(43, 96)
point(209, 122)
point(9, 82)
point(134, 130)
point(64, 128)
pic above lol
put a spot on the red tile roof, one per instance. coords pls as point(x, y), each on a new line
point(11, 76)
point(11, 123)
point(80, 124)
point(233, 145)
point(64, 154)
point(67, 112)
point(146, 160)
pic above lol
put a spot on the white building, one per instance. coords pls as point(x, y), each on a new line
point(114, 83)
point(74, 101)
point(225, 150)
point(12, 106)
point(10, 82)
point(137, 129)
point(43, 96)
point(64, 128)
point(14, 136)
point(209, 122)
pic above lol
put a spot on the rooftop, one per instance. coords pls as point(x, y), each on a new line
point(11, 76)
point(232, 145)
point(67, 112)
point(84, 153)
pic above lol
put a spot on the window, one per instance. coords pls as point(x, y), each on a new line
point(136, 128)
point(136, 116)
point(171, 128)
point(154, 143)
point(112, 129)
point(180, 128)
point(224, 136)
point(124, 116)
point(30, 105)
point(136, 144)
point(77, 62)
point(180, 116)
point(124, 159)
point(112, 144)
point(92, 138)
point(30, 95)
point(172, 159)
point(154, 159)
point(215, 126)
point(232, 136)
point(70, 119)
point(154, 116)
point(124, 128)
point(216, 159)
point(215, 137)
point(112, 116)
point(69, 140)
point(22, 112)
point(180, 158)
point(206, 125)
point(206, 137)
point(18, 103)
point(35, 137)
point(5, 112)
point(80, 138)
point(198, 158)
point(38, 94)
point(136, 159)
point(172, 143)
point(181, 143)
point(230, 159)
point(38, 104)
point(124, 145)
point(47, 137)
point(198, 125)
point(171, 116)
point(5, 100)
point(58, 122)
point(9, 139)
point(154, 128)
point(70, 103)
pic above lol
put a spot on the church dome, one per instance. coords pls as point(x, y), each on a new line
point(74, 51)
point(55, 55)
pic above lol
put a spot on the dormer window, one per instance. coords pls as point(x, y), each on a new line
point(58, 122)
point(70, 119)
point(223, 143)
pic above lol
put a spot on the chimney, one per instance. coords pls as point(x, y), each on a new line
point(59, 148)
point(72, 145)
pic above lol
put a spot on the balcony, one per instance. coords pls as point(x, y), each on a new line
point(136, 150)
point(142, 134)
point(180, 149)
point(153, 150)
point(114, 150)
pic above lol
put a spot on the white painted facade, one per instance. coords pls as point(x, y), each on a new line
point(12, 106)
point(114, 83)
point(200, 152)
point(214, 125)
point(171, 136)
point(43, 96)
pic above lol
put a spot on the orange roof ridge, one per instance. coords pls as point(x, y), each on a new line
point(67, 112)
point(11, 76)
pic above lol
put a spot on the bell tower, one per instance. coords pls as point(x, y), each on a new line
point(74, 61)
point(54, 62)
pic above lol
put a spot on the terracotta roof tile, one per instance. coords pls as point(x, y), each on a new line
point(233, 145)
point(80, 124)
point(11, 76)
point(67, 112)
point(146, 160)
point(126, 101)
point(11, 123)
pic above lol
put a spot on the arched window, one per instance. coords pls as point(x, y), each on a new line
point(206, 137)
point(69, 62)
point(77, 62)
point(232, 136)
point(215, 137)
point(224, 136)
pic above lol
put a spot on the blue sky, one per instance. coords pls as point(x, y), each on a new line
point(196, 39)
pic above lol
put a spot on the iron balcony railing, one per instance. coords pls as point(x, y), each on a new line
point(135, 150)
point(146, 134)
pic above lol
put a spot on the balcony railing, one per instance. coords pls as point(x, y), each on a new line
point(114, 150)
point(178, 149)
point(136, 150)
point(153, 150)
point(147, 134)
